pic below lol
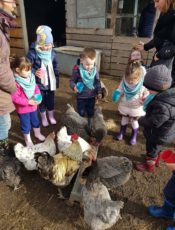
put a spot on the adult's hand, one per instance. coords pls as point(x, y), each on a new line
point(140, 46)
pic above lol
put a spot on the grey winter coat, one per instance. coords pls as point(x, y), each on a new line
point(159, 122)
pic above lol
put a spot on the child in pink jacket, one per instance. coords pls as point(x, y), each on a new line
point(26, 99)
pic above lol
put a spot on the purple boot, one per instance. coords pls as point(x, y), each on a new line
point(133, 136)
point(121, 134)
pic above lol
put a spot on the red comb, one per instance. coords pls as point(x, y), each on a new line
point(74, 137)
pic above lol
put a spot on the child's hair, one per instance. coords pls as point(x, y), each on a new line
point(135, 48)
point(133, 70)
point(88, 53)
point(20, 62)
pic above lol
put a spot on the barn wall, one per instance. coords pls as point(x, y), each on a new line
point(115, 50)
point(17, 43)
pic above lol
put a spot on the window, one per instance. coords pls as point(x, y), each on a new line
point(127, 15)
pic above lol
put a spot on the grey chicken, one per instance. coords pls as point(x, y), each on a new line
point(100, 212)
point(104, 91)
point(9, 171)
point(114, 171)
point(99, 128)
point(75, 123)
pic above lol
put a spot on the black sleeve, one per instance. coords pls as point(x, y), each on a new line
point(149, 45)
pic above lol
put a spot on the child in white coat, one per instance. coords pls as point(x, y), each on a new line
point(131, 93)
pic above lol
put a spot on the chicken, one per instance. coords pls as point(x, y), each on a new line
point(9, 171)
point(73, 146)
point(26, 154)
point(114, 171)
point(104, 91)
point(58, 169)
point(100, 212)
point(75, 123)
point(99, 128)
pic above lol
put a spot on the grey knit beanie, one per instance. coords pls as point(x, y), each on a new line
point(158, 78)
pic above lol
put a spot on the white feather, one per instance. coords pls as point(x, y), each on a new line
point(26, 154)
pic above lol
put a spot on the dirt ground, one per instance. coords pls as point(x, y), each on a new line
point(36, 205)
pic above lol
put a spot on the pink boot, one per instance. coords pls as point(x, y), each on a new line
point(44, 120)
point(51, 117)
point(28, 140)
point(38, 135)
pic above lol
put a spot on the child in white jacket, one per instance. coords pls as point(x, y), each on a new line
point(132, 94)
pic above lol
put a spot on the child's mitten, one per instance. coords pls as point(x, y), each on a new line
point(115, 95)
point(80, 86)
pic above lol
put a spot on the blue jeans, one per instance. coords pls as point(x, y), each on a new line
point(5, 124)
point(27, 120)
point(85, 106)
point(169, 190)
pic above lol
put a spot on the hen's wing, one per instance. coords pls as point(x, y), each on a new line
point(113, 166)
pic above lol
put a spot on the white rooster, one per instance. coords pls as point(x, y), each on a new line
point(26, 154)
point(64, 141)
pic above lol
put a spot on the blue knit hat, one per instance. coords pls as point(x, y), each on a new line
point(44, 35)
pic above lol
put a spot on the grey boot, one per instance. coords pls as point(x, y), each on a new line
point(28, 140)
point(4, 147)
point(44, 120)
point(121, 134)
point(51, 117)
point(133, 136)
point(38, 135)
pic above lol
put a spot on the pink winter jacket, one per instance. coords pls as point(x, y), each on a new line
point(20, 100)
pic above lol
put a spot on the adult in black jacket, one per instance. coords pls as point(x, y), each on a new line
point(159, 122)
point(164, 34)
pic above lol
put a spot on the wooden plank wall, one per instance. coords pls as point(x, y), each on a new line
point(98, 39)
point(115, 50)
point(121, 48)
point(16, 37)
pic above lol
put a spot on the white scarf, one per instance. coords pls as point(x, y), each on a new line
point(51, 76)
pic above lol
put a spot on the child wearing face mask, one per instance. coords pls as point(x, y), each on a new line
point(26, 99)
point(45, 69)
point(131, 94)
point(85, 82)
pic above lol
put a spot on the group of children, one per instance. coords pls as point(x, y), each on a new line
point(37, 78)
point(145, 98)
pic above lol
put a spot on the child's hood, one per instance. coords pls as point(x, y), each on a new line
point(167, 96)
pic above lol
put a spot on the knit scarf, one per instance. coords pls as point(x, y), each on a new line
point(28, 85)
point(88, 77)
point(44, 55)
point(131, 91)
point(148, 99)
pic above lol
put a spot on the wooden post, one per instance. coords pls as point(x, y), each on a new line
point(113, 15)
point(24, 26)
point(71, 13)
